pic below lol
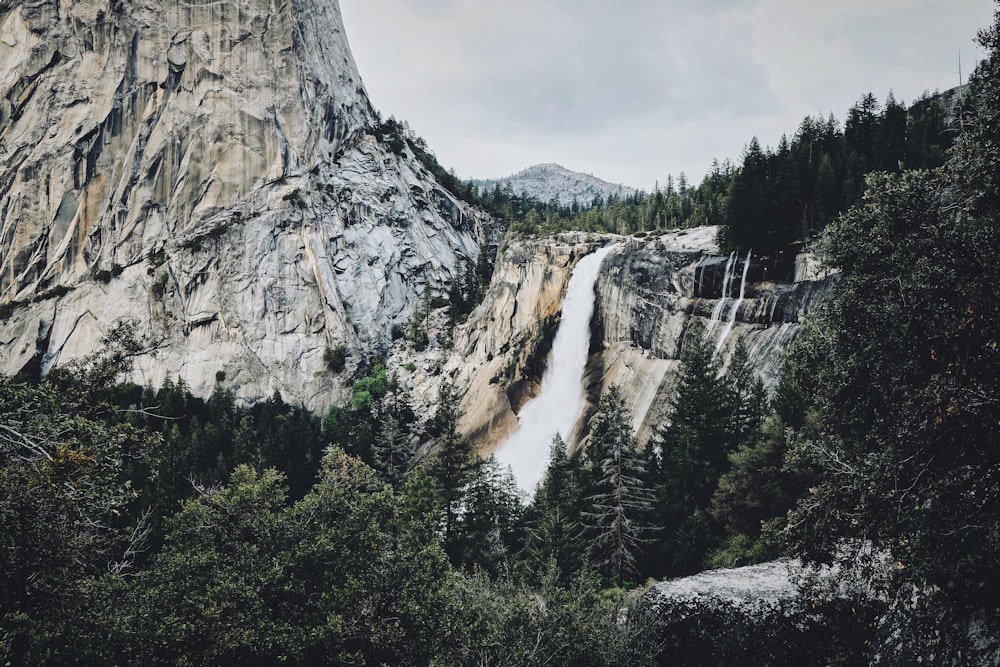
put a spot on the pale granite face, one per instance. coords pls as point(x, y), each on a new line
point(209, 170)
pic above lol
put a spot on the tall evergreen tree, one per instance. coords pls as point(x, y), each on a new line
point(453, 466)
point(619, 496)
point(694, 446)
point(555, 529)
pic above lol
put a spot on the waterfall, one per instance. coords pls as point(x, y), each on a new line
point(726, 284)
point(732, 314)
point(561, 400)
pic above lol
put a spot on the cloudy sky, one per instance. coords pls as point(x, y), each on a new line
point(631, 90)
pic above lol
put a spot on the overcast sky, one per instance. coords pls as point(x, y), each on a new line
point(631, 90)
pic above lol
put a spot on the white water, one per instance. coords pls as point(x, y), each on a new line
point(732, 314)
point(726, 282)
point(561, 400)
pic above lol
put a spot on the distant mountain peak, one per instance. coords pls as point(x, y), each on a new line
point(550, 181)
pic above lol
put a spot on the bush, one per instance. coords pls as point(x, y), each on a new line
point(335, 358)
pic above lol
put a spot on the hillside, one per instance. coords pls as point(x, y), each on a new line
point(220, 178)
point(548, 182)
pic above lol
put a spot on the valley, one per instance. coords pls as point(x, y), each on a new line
point(277, 387)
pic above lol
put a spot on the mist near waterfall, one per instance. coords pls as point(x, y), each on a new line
point(561, 400)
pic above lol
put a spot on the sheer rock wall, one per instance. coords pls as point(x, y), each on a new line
point(648, 294)
point(210, 170)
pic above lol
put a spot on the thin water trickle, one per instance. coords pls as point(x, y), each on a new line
point(726, 284)
point(732, 314)
point(561, 400)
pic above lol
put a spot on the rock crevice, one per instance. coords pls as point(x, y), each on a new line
point(215, 167)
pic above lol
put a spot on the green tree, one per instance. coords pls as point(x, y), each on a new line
point(619, 497)
point(452, 467)
point(555, 529)
point(748, 203)
point(69, 513)
point(490, 529)
point(693, 447)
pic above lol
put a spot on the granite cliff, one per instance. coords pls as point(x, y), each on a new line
point(648, 293)
point(212, 170)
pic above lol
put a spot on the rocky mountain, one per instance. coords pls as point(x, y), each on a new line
point(648, 293)
point(546, 182)
point(213, 171)
point(158, 167)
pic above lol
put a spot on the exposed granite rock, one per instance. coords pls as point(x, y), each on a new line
point(783, 613)
point(210, 170)
point(777, 613)
point(649, 293)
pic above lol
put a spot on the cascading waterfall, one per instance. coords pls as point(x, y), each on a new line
point(726, 284)
point(561, 401)
point(732, 314)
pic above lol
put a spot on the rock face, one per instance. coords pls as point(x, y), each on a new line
point(648, 294)
point(210, 169)
point(783, 613)
point(651, 291)
point(777, 613)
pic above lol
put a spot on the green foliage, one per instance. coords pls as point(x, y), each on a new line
point(900, 367)
point(504, 623)
point(335, 358)
point(453, 467)
point(490, 528)
point(902, 370)
point(68, 509)
point(370, 389)
point(753, 497)
point(145, 526)
point(555, 532)
point(619, 499)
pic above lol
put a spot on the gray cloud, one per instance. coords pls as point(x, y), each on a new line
point(633, 90)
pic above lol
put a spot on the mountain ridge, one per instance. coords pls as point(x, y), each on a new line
point(548, 181)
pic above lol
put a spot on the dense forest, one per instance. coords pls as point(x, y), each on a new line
point(147, 526)
point(775, 196)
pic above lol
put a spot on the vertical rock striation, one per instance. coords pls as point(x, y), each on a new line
point(647, 295)
point(210, 169)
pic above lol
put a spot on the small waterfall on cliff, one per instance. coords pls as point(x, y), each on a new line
point(727, 277)
point(561, 400)
point(732, 314)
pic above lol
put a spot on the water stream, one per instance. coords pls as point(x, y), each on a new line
point(561, 401)
point(736, 306)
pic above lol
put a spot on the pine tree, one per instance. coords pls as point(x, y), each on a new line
point(619, 497)
point(749, 399)
point(555, 530)
point(694, 446)
point(490, 526)
point(454, 464)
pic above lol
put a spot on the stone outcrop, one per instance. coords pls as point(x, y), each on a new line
point(785, 613)
point(212, 170)
point(777, 613)
point(652, 290)
point(648, 294)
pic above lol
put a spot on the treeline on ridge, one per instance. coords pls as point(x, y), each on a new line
point(775, 196)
